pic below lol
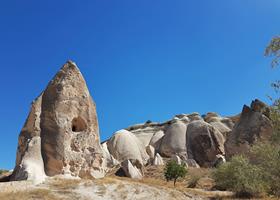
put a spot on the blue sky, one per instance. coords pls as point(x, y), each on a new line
point(141, 59)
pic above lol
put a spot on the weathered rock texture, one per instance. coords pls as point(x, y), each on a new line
point(130, 170)
point(194, 139)
point(204, 142)
point(252, 126)
point(61, 134)
point(158, 160)
point(29, 161)
point(174, 140)
point(125, 146)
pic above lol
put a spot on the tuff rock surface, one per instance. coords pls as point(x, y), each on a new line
point(130, 170)
point(252, 126)
point(29, 161)
point(158, 160)
point(124, 145)
point(61, 133)
point(204, 142)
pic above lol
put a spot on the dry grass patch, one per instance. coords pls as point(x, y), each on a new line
point(105, 180)
point(38, 194)
point(154, 177)
point(65, 184)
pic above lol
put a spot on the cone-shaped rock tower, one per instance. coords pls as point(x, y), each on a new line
point(61, 133)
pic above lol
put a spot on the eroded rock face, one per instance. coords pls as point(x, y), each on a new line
point(177, 159)
point(130, 170)
point(158, 160)
point(110, 161)
point(156, 140)
point(223, 124)
point(29, 161)
point(124, 145)
point(150, 151)
point(253, 125)
point(69, 126)
point(204, 142)
point(61, 133)
point(174, 140)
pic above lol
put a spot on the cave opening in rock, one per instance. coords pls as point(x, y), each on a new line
point(78, 124)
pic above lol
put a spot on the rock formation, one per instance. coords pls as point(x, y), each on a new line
point(29, 161)
point(194, 139)
point(158, 160)
point(174, 140)
point(222, 124)
point(61, 133)
point(125, 146)
point(150, 151)
point(61, 136)
point(252, 126)
point(177, 159)
point(204, 142)
point(130, 170)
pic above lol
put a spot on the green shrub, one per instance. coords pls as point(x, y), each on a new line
point(173, 171)
point(241, 177)
point(267, 157)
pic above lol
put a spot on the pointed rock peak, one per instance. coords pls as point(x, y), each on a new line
point(69, 74)
point(69, 67)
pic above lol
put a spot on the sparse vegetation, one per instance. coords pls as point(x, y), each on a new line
point(3, 171)
point(241, 177)
point(43, 194)
point(266, 157)
point(273, 49)
point(173, 171)
point(260, 171)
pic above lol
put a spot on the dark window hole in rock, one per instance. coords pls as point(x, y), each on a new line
point(78, 124)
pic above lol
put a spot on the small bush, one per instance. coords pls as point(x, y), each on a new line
point(267, 157)
point(241, 177)
point(173, 171)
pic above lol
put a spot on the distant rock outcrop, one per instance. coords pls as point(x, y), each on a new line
point(252, 126)
point(61, 134)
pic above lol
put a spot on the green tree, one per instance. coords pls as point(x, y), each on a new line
point(173, 171)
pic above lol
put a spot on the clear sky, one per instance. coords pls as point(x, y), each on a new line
point(148, 59)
